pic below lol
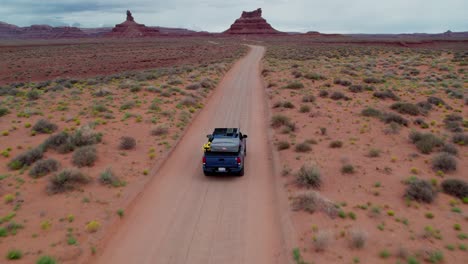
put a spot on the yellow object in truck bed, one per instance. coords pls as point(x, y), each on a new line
point(207, 146)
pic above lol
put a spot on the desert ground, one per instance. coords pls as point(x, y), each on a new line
point(356, 151)
point(363, 186)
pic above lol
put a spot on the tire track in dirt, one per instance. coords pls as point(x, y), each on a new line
point(184, 217)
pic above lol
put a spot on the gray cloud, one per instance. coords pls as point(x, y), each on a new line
point(340, 16)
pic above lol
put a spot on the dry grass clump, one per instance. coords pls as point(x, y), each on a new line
point(460, 139)
point(388, 118)
point(127, 143)
point(455, 187)
point(44, 127)
point(282, 145)
point(425, 142)
point(406, 108)
point(308, 98)
point(420, 190)
point(303, 147)
point(294, 85)
point(454, 123)
point(281, 120)
point(25, 159)
point(160, 130)
point(193, 86)
point(314, 76)
point(109, 178)
point(357, 238)
point(312, 202)
point(84, 156)
point(372, 112)
point(342, 82)
point(66, 180)
point(321, 240)
point(43, 167)
point(444, 162)
point(387, 94)
point(336, 144)
point(339, 96)
point(309, 177)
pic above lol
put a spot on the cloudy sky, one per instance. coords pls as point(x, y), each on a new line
point(328, 16)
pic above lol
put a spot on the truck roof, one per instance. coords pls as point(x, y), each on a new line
point(226, 132)
point(225, 144)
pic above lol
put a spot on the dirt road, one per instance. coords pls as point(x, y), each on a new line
point(185, 217)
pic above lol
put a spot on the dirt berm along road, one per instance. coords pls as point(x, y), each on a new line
point(183, 216)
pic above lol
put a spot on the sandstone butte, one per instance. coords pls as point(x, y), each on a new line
point(39, 32)
point(251, 23)
point(131, 29)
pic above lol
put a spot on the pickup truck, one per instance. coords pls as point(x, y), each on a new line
point(225, 152)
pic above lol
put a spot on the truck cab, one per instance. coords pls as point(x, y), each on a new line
point(225, 152)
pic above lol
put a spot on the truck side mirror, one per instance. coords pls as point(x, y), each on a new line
point(244, 136)
point(208, 136)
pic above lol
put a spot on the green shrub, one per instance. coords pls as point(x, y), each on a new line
point(4, 111)
point(43, 167)
point(425, 142)
point(33, 95)
point(420, 190)
point(66, 180)
point(303, 147)
point(406, 108)
point(46, 260)
point(108, 178)
point(127, 105)
point(309, 176)
point(294, 85)
point(127, 143)
point(455, 187)
point(84, 156)
point(369, 111)
point(25, 159)
point(14, 254)
point(444, 162)
point(44, 127)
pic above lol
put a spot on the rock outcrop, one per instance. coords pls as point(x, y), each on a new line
point(131, 29)
point(251, 23)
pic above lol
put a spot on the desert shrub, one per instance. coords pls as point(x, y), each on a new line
point(4, 111)
point(280, 120)
point(302, 147)
point(342, 82)
point(336, 144)
point(296, 73)
point(455, 187)
point(369, 111)
point(66, 180)
point(392, 128)
point(338, 96)
point(426, 106)
point(312, 201)
point(453, 123)
point(373, 80)
point(14, 254)
point(387, 94)
point(127, 105)
point(84, 156)
point(43, 167)
point(357, 238)
point(347, 169)
point(189, 101)
point(373, 153)
point(420, 122)
point(85, 136)
point(444, 162)
point(33, 95)
point(127, 143)
point(44, 127)
point(304, 109)
point(321, 240)
point(323, 93)
point(287, 104)
point(102, 92)
point(356, 88)
point(193, 86)
point(406, 108)
point(25, 159)
point(420, 190)
point(388, 118)
point(308, 98)
point(425, 142)
point(309, 176)
point(60, 142)
point(134, 88)
point(100, 108)
point(207, 83)
point(160, 130)
point(282, 145)
point(435, 100)
point(460, 139)
point(107, 177)
point(314, 76)
point(449, 148)
point(294, 85)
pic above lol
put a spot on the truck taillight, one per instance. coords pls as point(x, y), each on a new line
point(238, 160)
point(204, 160)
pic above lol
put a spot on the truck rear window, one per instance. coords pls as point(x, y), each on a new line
point(217, 154)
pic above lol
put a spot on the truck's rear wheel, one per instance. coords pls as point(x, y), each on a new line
point(241, 172)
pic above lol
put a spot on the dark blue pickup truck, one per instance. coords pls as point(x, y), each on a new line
point(225, 152)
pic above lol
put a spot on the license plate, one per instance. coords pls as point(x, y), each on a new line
point(222, 169)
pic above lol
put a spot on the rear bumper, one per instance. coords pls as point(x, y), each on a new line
point(228, 169)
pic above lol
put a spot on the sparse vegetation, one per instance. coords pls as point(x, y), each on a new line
point(302, 147)
point(309, 176)
point(84, 156)
point(127, 143)
point(357, 239)
point(455, 187)
point(444, 162)
point(420, 190)
point(44, 127)
point(425, 142)
point(66, 180)
point(43, 167)
point(25, 159)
